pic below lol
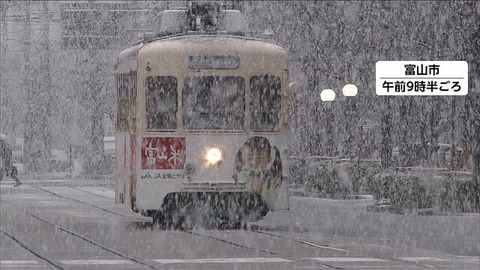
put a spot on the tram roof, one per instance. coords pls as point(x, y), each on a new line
point(197, 39)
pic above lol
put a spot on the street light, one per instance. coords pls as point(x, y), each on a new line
point(349, 90)
point(327, 95)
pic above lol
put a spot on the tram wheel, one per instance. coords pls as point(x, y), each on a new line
point(240, 225)
point(158, 219)
point(173, 221)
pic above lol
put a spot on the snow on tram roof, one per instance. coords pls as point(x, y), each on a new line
point(132, 52)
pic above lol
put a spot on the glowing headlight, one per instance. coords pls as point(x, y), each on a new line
point(214, 156)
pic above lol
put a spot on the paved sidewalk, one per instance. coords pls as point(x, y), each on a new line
point(454, 234)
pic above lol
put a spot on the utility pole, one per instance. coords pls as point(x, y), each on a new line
point(8, 113)
point(386, 129)
point(406, 151)
point(47, 80)
point(95, 87)
point(32, 149)
point(331, 148)
point(453, 150)
point(96, 131)
point(3, 50)
point(476, 147)
point(37, 133)
point(474, 96)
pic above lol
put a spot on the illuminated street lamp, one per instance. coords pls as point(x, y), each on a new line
point(349, 90)
point(327, 95)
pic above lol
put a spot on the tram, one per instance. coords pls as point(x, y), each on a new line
point(201, 129)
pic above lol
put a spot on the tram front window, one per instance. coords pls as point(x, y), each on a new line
point(161, 98)
point(265, 103)
point(214, 103)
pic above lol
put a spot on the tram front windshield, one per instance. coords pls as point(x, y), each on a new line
point(214, 103)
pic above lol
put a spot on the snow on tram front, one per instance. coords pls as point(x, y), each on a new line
point(201, 133)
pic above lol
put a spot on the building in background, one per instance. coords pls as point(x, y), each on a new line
point(56, 68)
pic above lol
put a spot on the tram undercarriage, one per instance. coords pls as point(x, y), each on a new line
point(186, 210)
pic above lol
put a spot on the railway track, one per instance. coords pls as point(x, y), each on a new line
point(222, 237)
point(63, 229)
point(236, 244)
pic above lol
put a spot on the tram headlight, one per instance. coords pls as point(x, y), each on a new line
point(214, 156)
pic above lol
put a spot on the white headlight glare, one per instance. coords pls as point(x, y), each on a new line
point(214, 155)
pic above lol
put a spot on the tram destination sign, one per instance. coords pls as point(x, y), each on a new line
point(421, 78)
point(213, 62)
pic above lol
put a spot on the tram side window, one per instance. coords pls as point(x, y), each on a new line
point(123, 102)
point(265, 103)
point(214, 103)
point(161, 98)
point(133, 95)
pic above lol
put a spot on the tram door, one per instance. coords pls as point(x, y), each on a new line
point(120, 170)
point(125, 184)
point(120, 183)
point(125, 138)
point(131, 138)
